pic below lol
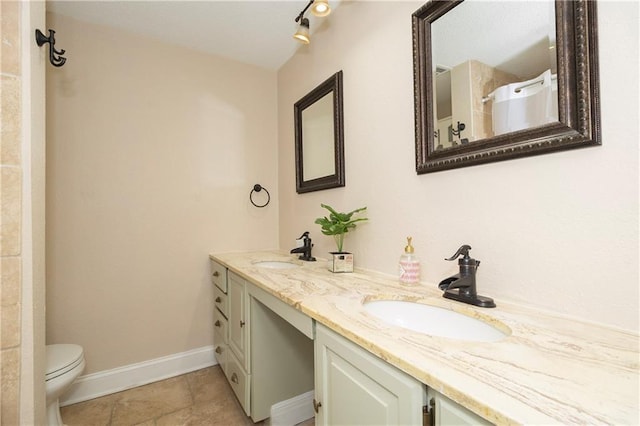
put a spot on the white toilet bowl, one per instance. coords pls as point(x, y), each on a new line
point(65, 363)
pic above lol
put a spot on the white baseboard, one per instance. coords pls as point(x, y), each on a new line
point(292, 411)
point(130, 376)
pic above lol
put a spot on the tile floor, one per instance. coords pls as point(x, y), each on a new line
point(202, 397)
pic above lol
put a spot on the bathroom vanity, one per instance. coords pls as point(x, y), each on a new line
point(285, 327)
point(259, 340)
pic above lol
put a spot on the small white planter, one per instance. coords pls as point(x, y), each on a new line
point(341, 262)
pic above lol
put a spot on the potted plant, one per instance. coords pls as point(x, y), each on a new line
point(336, 225)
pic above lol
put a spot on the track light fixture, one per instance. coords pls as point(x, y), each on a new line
point(302, 35)
point(319, 8)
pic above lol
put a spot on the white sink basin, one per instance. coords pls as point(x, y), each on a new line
point(433, 321)
point(276, 264)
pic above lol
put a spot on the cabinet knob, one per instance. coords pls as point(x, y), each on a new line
point(234, 378)
point(216, 274)
point(217, 323)
point(218, 350)
point(241, 323)
point(218, 300)
point(316, 405)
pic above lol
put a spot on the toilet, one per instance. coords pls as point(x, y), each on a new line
point(65, 362)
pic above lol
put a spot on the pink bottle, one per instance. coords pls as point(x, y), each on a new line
point(409, 266)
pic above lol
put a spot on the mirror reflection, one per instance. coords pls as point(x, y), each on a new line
point(318, 152)
point(494, 70)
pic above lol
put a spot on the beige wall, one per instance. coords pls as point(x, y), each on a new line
point(11, 220)
point(557, 231)
point(152, 152)
point(22, 219)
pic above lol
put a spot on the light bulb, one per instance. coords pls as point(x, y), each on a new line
point(320, 8)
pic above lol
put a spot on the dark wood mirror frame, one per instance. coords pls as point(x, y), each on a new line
point(578, 94)
point(332, 84)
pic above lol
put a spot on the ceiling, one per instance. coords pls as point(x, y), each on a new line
point(258, 32)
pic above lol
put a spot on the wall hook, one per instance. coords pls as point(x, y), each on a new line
point(56, 61)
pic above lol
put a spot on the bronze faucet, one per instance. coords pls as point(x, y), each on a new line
point(305, 249)
point(462, 286)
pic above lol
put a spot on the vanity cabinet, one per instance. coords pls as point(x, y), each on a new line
point(238, 335)
point(263, 345)
point(229, 330)
point(271, 352)
point(355, 387)
point(238, 372)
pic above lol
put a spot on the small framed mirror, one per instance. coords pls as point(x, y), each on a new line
point(497, 80)
point(319, 137)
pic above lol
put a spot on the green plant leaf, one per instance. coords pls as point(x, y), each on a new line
point(338, 224)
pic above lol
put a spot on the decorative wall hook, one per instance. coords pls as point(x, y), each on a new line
point(56, 61)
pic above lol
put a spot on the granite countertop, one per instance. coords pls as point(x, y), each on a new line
point(550, 369)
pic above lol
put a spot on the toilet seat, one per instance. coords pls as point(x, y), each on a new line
point(61, 358)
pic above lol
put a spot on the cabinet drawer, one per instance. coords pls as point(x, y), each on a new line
point(222, 355)
point(220, 327)
point(219, 275)
point(221, 302)
point(239, 381)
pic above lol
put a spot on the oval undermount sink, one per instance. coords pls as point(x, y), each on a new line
point(433, 320)
point(276, 264)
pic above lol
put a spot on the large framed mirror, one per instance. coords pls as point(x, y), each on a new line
point(319, 137)
point(497, 80)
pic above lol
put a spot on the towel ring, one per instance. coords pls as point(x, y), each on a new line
point(257, 188)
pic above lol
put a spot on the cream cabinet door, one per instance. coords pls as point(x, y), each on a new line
point(238, 322)
point(353, 387)
point(449, 413)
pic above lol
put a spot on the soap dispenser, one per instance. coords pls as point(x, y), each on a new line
point(409, 266)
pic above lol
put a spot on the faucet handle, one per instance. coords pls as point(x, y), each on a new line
point(464, 250)
point(466, 261)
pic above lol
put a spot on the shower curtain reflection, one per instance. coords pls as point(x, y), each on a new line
point(525, 104)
